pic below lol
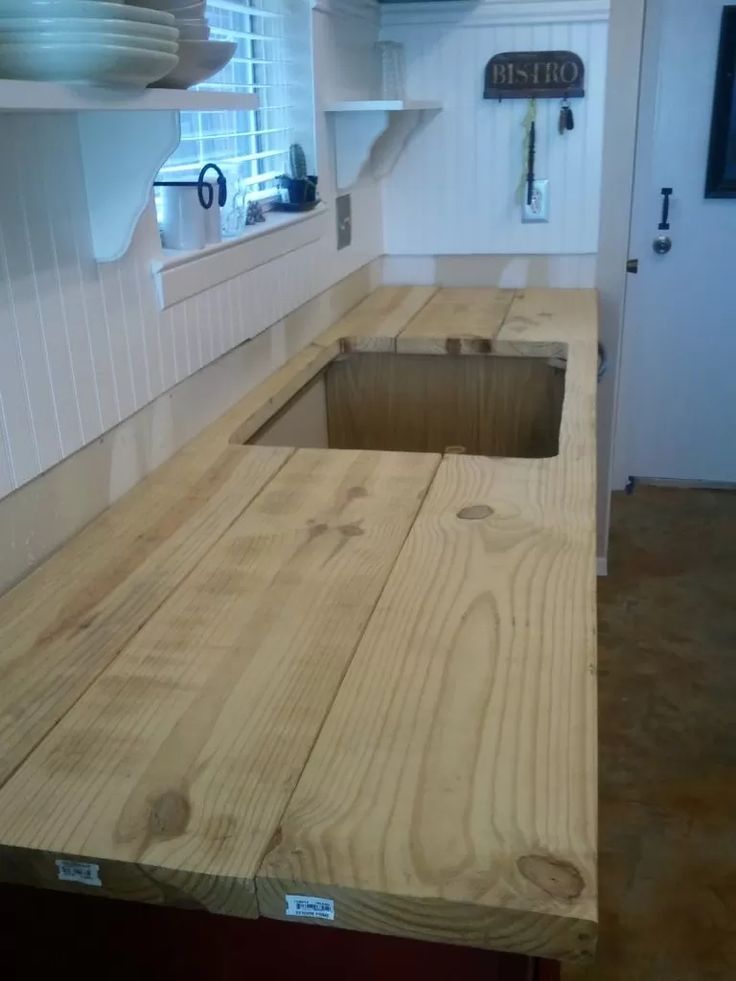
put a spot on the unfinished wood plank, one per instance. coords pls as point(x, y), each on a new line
point(452, 792)
point(426, 403)
point(457, 320)
point(61, 626)
point(372, 325)
point(539, 317)
point(301, 423)
point(172, 771)
point(268, 398)
point(376, 321)
point(391, 402)
point(520, 407)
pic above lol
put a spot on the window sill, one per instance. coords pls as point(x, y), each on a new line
point(180, 275)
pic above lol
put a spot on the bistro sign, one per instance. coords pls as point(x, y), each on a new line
point(535, 75)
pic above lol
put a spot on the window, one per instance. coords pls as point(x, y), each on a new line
point(273, 60)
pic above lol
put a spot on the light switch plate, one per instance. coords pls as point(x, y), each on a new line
point(343, 210)
point(538, 210)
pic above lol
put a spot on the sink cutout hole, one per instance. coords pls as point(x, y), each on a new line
point(475, 404)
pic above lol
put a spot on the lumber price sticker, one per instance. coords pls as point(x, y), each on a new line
point(311, 907)
point(85, 872)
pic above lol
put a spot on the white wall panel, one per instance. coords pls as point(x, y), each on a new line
point(454, 190)
point(82, 345)
point(506, 271)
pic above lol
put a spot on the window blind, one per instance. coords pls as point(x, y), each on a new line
point(252, 148)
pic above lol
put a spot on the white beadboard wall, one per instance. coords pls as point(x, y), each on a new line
point(454, 190)
point(84, 345)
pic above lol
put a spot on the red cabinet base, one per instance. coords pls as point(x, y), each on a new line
point(46, 934)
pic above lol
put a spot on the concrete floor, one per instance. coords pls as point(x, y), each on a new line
point(667, 666)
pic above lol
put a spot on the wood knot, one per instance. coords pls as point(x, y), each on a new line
point(169, 815)
point(315, 530)
point(476, 512)
point(553, 875)
point(276, 838)
point(351, 531)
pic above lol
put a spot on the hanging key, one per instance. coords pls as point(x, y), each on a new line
point(563, 118)
point(567, 120)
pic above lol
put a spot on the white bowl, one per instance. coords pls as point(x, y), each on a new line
point(193, 30)
point(194, 11)
point(88, 25)
point(60, 36)
point(103, 64)
point(171, 5)
point(83, 8)
point(198, 61)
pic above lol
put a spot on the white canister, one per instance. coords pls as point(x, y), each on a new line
point(213, 215)
point(183, 225)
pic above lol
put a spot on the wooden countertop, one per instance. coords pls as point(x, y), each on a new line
point(270, 672)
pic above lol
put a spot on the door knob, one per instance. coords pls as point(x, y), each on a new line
point(662, 244)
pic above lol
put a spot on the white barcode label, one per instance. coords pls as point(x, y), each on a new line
point(86, 872)
point(310, 907)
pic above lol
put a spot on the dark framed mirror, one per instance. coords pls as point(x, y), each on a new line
point(721, 176)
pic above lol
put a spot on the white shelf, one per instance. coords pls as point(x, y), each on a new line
point(383, 105)
point(370, 134)
point(125, 137)
point(24, 96)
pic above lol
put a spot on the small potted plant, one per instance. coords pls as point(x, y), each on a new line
point(300, 187)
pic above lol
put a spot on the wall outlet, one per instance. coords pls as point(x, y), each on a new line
point(344, 221)
point(538, 210)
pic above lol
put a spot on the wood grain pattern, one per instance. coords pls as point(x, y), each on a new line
point(301, 423)
point(394, 402)
point(457, 320)
point(492, 406)
point(173, 769)
point(61, 626)
point(259, 406)
point(520, 407)
point(371, 325)
point(452, 792)
point(378, 319)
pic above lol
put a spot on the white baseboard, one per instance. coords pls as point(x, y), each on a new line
point(509, 271)
point(602, 566)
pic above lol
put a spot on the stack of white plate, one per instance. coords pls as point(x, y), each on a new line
point(199, 58)
point(86, 41)
point(190, 16)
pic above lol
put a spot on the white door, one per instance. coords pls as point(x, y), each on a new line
point(677, 395)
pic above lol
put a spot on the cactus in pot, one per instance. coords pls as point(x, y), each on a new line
point(298, 162)
point(301, 187)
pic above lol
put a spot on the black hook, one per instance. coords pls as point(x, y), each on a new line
point(530, 164)
point(221, 186)
point(201, 184)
